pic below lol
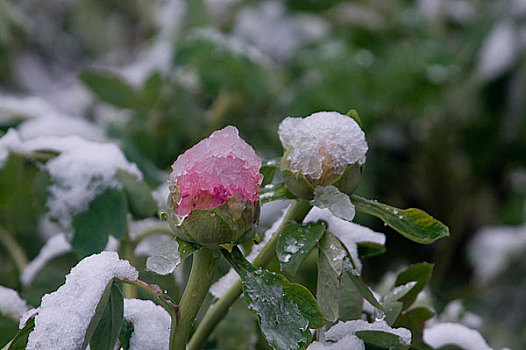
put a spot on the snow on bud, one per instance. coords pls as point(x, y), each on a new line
point(325, 148)
point(214, 190)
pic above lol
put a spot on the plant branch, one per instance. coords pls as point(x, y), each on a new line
point(152, 230)
point(297, 212)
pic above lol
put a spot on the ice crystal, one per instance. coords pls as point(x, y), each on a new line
point(337, 202)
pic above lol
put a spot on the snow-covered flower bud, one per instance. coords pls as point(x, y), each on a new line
point(326, 148)
point(214, 190)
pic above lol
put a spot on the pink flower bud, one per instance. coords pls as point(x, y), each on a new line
point(218, 179)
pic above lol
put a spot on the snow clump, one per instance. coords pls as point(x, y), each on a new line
point(11, 305)
point(320, 140)
point(64, 315)
point(147, 319)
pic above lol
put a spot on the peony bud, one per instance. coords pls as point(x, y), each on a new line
point(326, 148)
point(214, 190)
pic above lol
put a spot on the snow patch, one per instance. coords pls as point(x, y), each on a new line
point(454, 334)
point(147, 319)
point(11, 305)
point(64, 315)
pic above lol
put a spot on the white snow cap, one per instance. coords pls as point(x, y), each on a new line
point(324, 136)
point(347, 232)
point(11, 305)
point(151, 325)
point(454, 334)
point(81, 171)
point(64, 315)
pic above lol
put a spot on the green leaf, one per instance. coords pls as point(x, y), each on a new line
point(109, 327)
point(363, 289)
point(105, 216)
point(125, 335)
point(109, 299)
point(151, 89)
point(110, 88)
point(353, 113)
point(138, 195)
point(370, 249)
point(268, 170)
point(414, 320)
point(16, 195)
point(295, 242)
point(391, 302)
point(285, 310)
point(351, 301)
point(330, 267)
point(420, 273)
point(274, 192)
point(8, 329)
point(412, 223)
point(19, 342)
point(381, 339)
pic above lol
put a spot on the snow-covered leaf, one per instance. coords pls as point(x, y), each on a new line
point(295, 242)
point(285, 310)
point(412, 223)
point(330, 266)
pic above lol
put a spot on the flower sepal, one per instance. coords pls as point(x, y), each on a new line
point(232, 222)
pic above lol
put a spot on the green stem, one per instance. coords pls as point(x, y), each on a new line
point(297, 212)
point(126, 250)
point(204, 265)
point(13, 249)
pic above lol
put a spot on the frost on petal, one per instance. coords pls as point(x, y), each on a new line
point(347, 232)
point(337, 202)
point(11, 305)
point(165, 259)
point(147, 319)
point(213, 170)
point(342, 329)
point(454, 334)
point(324, 139)
point(64, 315)
point(55, 246)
